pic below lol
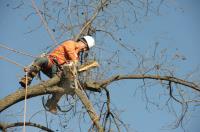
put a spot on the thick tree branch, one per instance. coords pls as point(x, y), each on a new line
point(47, 87)
point(88, 105)
point(4, 126)
point(33, 91)
point(78, 89)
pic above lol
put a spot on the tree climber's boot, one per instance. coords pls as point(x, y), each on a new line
point(53, 109)
point(52, 106)
point(22, 82)
point(32, 72)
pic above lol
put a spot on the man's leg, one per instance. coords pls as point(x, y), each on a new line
point(53, 101)
point(33, 70)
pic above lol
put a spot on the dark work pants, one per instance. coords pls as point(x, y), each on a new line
point(41, 64)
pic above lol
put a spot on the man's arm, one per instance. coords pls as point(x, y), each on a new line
point(70, 51)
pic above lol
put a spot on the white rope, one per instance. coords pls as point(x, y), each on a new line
point(24, 127)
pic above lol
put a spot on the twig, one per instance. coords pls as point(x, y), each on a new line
point(11, 61)
point(44, 22)
point(171, 93)
point(13, 50)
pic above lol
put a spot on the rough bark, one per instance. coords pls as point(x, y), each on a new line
point(71, 74)
point(33, 91)
point(88, 105)
point(47, 87)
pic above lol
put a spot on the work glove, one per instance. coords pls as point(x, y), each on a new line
point(71, 63)
point(75, 62)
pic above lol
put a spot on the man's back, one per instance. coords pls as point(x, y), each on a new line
point(65, 52)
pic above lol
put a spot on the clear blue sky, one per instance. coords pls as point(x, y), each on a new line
point(175, 29)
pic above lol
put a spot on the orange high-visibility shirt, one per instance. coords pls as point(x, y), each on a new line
point(66, 52)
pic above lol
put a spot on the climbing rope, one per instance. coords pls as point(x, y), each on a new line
point(25, 98)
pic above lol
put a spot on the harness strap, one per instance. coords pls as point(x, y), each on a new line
point(59, 60)
point(53, 61)
point(50, 63)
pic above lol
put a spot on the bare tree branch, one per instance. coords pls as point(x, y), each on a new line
point(4, 126)
point(155, 77)
point(33, 91)
point(88, 23)
point(44, 22)
point(90, 17)
point(46, 87)
point(16, 51)
point(86, 102)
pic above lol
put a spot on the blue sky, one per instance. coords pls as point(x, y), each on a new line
point(177, 29)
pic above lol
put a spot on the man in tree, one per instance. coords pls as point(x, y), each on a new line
point(66, 53)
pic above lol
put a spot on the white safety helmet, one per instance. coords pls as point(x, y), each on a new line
point(90, 41)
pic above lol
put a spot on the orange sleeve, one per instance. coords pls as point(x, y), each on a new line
point(70, 51)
